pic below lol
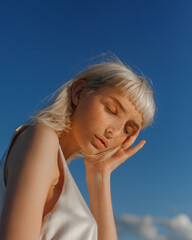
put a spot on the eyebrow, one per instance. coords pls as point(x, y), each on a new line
point(123, 109)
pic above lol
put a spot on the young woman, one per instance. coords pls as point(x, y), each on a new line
point(97, 115)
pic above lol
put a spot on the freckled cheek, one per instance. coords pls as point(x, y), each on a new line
point(97, 117)
point(88, 117)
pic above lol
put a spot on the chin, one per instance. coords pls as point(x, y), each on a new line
point(90, 149)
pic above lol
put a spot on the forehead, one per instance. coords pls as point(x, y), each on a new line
point(109, 92)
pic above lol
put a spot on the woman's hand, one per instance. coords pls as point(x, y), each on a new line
point(125, 152)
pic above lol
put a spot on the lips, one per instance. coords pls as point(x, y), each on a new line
point(102, 140)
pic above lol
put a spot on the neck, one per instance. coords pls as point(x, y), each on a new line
point(68, 144)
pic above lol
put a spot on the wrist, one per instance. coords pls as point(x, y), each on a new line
point(95, 178)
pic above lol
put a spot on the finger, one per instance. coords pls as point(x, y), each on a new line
point(129, 153)
point(135, 149)
point(129, 142)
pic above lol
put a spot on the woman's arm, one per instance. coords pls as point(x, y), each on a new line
point(101, 206)
point(98, 181)
point(30, 175)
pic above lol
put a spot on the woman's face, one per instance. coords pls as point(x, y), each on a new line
point(103, 120)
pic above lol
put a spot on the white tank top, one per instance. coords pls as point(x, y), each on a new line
point(71, 218)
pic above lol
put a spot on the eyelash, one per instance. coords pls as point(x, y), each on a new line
point(114, 113)
point(109, 110)
point(129, 134)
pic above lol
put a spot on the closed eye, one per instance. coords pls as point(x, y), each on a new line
point(109, 110)
point(130, 130)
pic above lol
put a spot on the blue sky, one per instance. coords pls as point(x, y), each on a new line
point(45, 43)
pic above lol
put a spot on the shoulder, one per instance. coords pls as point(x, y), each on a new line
point(41, 131)
point(33, 168)
point(39, 136)
point(38, 143)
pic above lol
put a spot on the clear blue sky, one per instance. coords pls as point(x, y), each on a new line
point(45, 43)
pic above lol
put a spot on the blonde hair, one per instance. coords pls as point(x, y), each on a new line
point(57, 115)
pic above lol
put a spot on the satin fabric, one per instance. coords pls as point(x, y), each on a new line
point(71, 218)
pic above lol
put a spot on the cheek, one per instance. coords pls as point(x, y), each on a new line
point(89, 115)
point(96, 119)
point(94, 111)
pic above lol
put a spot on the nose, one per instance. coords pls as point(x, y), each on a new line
point(108, 133)
point(111, 132)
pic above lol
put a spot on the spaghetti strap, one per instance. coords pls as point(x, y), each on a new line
point(17, 132)
point(62, 155)
point(3, 162)
point(70, 218)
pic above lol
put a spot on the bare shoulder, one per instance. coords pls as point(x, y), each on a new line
point(32, 170)
point(38, 139)
point(41, 132)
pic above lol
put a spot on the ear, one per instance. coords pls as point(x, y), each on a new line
point(76, 90)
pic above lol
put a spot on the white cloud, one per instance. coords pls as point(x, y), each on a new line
point(178, 228)
point(139, 226)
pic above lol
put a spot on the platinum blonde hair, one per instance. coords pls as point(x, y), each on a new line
point(57, 115)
